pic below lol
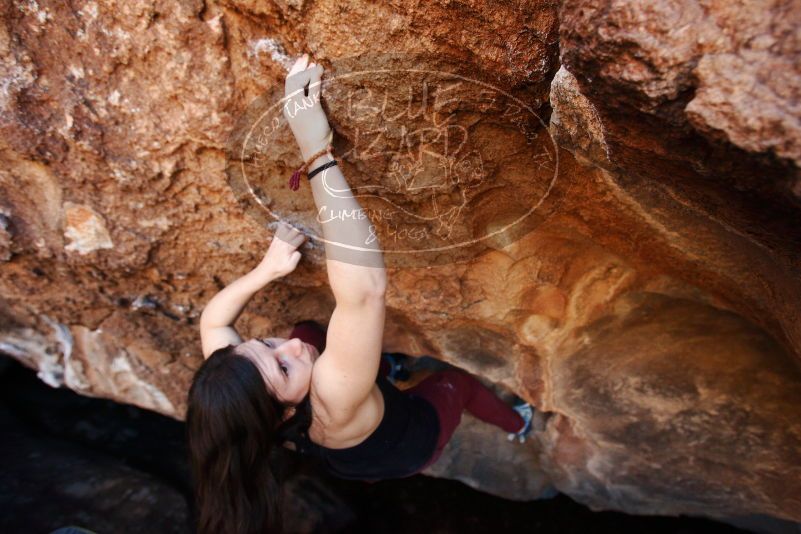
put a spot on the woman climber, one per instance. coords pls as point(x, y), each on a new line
point(325, 392)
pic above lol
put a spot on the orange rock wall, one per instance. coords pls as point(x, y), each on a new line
point(650, 308)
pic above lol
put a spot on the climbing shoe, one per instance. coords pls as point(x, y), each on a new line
point(527, 413)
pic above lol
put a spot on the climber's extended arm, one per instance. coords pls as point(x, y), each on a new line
point(351, 243)
point(345, 372)
point(222, 311)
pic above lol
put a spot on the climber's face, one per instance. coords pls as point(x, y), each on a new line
point(285, 364)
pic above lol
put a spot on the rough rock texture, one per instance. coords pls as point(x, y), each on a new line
point(649, 304)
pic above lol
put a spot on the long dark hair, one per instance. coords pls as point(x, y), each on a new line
point(233, 425)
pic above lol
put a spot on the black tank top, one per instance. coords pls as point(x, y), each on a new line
point(401, 444)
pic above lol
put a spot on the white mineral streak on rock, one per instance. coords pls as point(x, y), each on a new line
point(129, 385)
point(51, 372)
point(77, 71)
point(272, 47)
point(74, 376)
point(69, 376)
point(86, 228)
point(35, 349)
point(16, 75)
point(6, 236)
point(31, 7)
point(161, 222)
point(12, 349)
point(89, 10)
point(214, 24)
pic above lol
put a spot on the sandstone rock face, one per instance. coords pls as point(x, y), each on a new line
point(648, 304)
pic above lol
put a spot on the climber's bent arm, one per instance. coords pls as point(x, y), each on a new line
point(222, 311)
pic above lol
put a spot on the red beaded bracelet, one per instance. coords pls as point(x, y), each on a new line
point(294, 182)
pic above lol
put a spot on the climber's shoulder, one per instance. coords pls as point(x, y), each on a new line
point(213, 338)
point(334, 428)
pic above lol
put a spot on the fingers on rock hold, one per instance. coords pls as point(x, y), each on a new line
point(299, 65)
